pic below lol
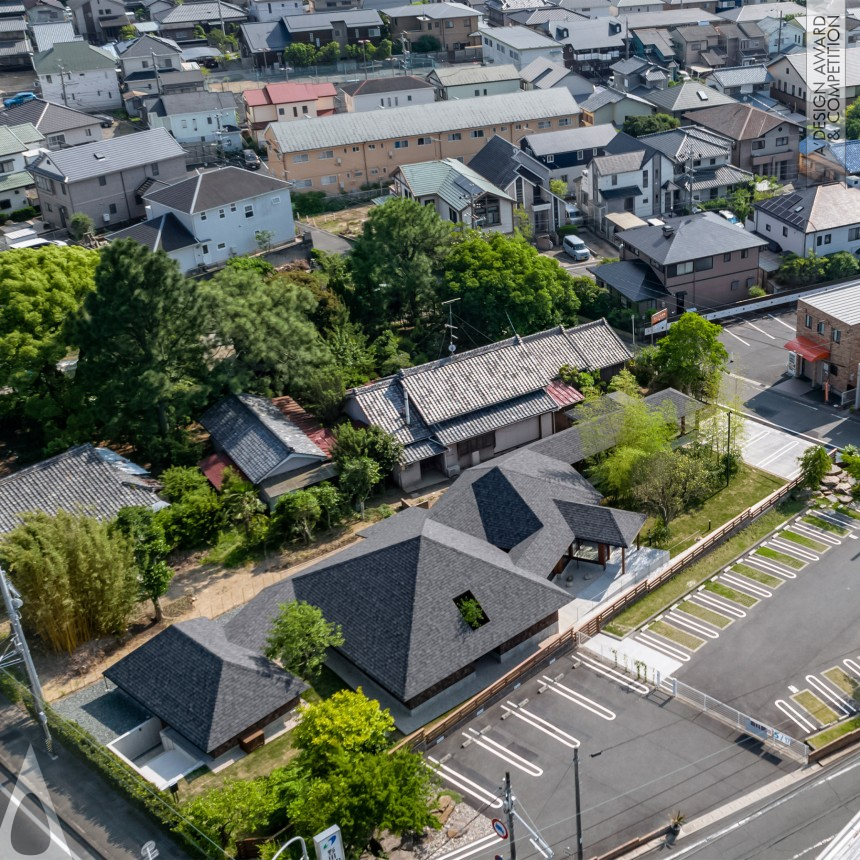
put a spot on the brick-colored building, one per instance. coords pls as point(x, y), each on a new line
point(826, 348)
point(341, 153)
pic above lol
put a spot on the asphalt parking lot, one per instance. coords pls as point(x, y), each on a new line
point(756, 346)
point(641, 756)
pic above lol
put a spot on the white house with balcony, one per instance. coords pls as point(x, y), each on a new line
point(208, 218)
point(517, 46)
point(196, 118)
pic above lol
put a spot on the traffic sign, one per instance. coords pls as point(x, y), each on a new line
point(659, 316)
point(499, 827)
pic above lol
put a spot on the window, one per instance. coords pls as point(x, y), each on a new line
point(424, 141)
point(89, 132)
point(303, 183)
point(48, 79)
point(836, 336)
point(478, 132)
point(820, 327)
point(767, 228)
point(750, 282)
point(782, 141)
point(56, 140)
point(112, 208)
point(455, 136)
point(401, 144)
point(276, 201)
point(326, 153)
point(208, 120)
point(328, 180)
point(644, 178)
point(232, 207)
point(736, 285)
point(679, 269)
point(102, 181)
point(249, 210)
point(745, 253)
point(205, 249)
point(758, 144)
point(854, 234)
point(488, 440)
point(371, 146)
point(154, 168)
point(727, 258)
point(203, 216)
point(703, 264)
point(544, 123)
point(355, 149)
point(564, 121)
point(785, 231)
point(222, 246)
point(222, 213)
point(822, 240)
point(579, 155)
point(301, 158)
point(615, 179)
point(295, 111)
point(304, 108)
point(477, 93)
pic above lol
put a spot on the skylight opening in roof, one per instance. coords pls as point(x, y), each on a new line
point(470, 610)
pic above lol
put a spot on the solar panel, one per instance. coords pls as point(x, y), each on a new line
point(465, 184)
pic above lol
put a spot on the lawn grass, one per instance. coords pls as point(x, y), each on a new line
point(834, 732)
point(680, 636)
point(820, 711)
point(731, 594)
point(747, 487)
point(704, 614)
point(803, 540)
point(757, 575)
point(848, 512)
point(848, 684)
point(670, 592)
point(781, 557)
point(824, 525)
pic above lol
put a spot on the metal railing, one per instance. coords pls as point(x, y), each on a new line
point(737, 719)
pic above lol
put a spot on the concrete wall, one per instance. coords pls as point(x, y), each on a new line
point(198, 127)
point(74, 137)
point(139, 740)
point(517, 434)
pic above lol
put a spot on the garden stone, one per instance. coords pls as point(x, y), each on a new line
point(829, 480)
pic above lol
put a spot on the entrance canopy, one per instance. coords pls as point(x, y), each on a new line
point(807, 348)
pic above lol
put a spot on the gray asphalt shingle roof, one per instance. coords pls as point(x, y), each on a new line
point(179, 103)
point(203, 191)
point(571, 139)
point(633, 279)
point(204, 686)
point(205, 11)
point(82, 478)
point(499, 161)
point(688, 96)
point(164, 233)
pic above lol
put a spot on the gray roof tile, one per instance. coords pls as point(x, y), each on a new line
point(164, 233)
point(203, 191)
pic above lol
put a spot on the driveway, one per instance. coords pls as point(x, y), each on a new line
point(598, 246)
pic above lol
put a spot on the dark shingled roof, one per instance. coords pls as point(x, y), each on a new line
point(634, 279)
point(207, 688)
point(83, 478)
point(164, 233)
point(500, 162)
point(374, 86)
point(48, 117)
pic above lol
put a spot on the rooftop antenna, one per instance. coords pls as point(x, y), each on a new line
point(452, 347)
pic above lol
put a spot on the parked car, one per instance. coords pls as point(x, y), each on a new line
point(19, 99)
point(209, 63)
point(731, 218)
point(104, 120)
point(250, 159)
point(574, 216)
point(574, 247)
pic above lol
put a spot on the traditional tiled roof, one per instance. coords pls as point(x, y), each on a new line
point(15, 139)
point(737, 121)
point(501, 162)
point(738, 76)
point(680, 144)
point(206, 11)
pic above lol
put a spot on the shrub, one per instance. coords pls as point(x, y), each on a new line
point(193, 522)
point(756, 292)
point(309, 203)
point(567, 229)
point(178, 481)
point(23, 214)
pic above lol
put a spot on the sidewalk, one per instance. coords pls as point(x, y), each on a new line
point(91, 807)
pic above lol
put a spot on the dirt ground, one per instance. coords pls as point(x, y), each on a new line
point(347, 223)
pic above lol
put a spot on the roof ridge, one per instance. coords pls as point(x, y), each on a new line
point(56, 458)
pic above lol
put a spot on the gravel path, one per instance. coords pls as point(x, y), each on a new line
point(102, 709)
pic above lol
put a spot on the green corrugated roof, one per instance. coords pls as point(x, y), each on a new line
point(440, 178)
point(72, 57)
point(19, 138)
point(11, 181)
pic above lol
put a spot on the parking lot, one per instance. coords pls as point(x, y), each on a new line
point(756, 346)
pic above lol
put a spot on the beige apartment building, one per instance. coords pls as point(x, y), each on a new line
point(341, 153)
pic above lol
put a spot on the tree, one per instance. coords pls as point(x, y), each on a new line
point(358, 477)
point(852, 121)
point(329, 53)
point(300, 55)
point(240, 501)
point(128, 32)
point(352, 442)
point(814, 465)
point(383, 49)
point(145, 531)
point(330, 502)
point(394, 263)
point(79, 225)
point(691, 357)
point(636, 126)
point(263, 238)
point(559, 187)
point(77, 577)
point(355, 358)
point(41, 291)
point(300, 637)
point(625, 382)
point(178, 481)
point(300, 511)
point(142, 369)
point(841, 266)
point(505, 286)
point(426, 44)
point(665, 483)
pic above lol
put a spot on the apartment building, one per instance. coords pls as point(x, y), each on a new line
point(453, 25)
point(343, 152)
point(285, 102)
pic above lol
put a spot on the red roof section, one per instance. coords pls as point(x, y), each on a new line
point(213, 468)
point(809, 349)
point(562, 393)
point(319, 435)
point(278, 94)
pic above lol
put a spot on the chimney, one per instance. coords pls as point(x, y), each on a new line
point(668, 230)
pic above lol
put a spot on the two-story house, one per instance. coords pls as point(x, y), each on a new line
point(285, 102)
point(789, 75)
point(105, 180)
point(19, 146)
point(635, 73)
point(45, 12)
point(207, 218)
point(99, 21)
point(822, 220)
point(782, 36)
point(544, 74)
point(762, 143)
point(180, 21)
point(742, 43)
point(517, 46)
point(45, 36)
point(194, 118)
point(274, 10)
point(695, 45)
point(381, 93)
point(740, 81)
point(608, 105)
point(61, 126)
point(15, 45)
point(591, 47)
point(79, 76)
point(471, 82)
point(568, 152)
point(345, 28)
point(828, 161)
point(453, 25)
point(701, 261)
point(148, 53)
point(676, 101)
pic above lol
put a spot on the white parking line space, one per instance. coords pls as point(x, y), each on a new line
point(795, 715)
point(815, 533)
point(623, 680)
point(672, 651)
point(680, 618)
point(464, 784)
point(761, 330)
point(472, 848)
point(710, 601)
point(822, 689)
point(782, 322)
point(772, 450)
point(503, 753)
point(541, 724)
point(852, 666)
point(578, 699)
point(769, 566)
point(729, 332)
point(735, 580)
point(789, 547)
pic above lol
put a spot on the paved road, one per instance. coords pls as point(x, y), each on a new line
point(797, 824)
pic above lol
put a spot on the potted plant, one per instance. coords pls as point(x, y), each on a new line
point(676, 820)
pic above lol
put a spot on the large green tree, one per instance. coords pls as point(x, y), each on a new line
point(373, 442)
point(41, 290)
point(300, 637)
point(636, 126)
point(505, 285)
point(142, 371)
point(691, 357)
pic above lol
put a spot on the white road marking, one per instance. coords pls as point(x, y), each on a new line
point(749, 441)
point(853, 667)
point(711, 602)
point(792, 548)
point(793, 714)
point(692, 623)
point(15, 800)
point(769, 566)
point(466, 785)
point(541, 725)
point(578, 699)
point(853, 537)
point(824, 690)
point(781, 322)
point(776, 454)
point(749, 585)
point(614, 676)
point(472, 848)
point(766, 334)
point(728, 331)
point(813, 532)
point(668, 650)
point(835, 518)
point(501, 752)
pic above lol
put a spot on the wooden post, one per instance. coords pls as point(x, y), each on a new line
point(623, 566)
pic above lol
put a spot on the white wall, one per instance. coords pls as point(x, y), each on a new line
point(496, 51)
point(795, 241)
point(489, 88)
point(263, 10)
point(93, 90)
point(517, 434)
point(198, 127)
point(164, 57)
point(401, 98)
point(76, 136)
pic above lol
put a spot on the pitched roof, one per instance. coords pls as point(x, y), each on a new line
point(597, 33)
point(18, 138)
point(72, 57)
point(180, 103)
point(846, 153)
point(687, 96)
point(756, 12)
point(668, 18)
point(164, 233)
point(451, 180)
point(738, 76)
point(544, 73)
point(108, 156)
point(214, 188)
point(737, 121)
point(822, 207)
point(571, 139)
point(207, 688)
point(353, 128)
point(432, 11)
point(144, 46)
point(693, 236)
point(463, 75)
point(47, 35)
point(518, 37)
point(203, 11)
point(634, 279)
point(265, 36)
point(285, 93)
point(842, 303)
point(320, 21)
point(374, 86)
point(91, 479)
point(499, 161)
point(679, 144)
point(256, 435)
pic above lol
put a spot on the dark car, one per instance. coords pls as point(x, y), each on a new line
point(250, 159)
point(104, 120)
point(210, 62)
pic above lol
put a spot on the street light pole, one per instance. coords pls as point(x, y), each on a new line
point(578, 804)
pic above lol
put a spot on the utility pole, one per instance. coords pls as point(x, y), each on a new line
point(509, 811)
point(779, 37)
point(729, 448)
point(63, 85)
point(157, 76)
point(578, 804)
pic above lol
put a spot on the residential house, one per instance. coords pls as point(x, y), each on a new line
point(264, 43)
point(826, 347)
point(826, 161)
point(497, 11)
point(194, 118)
point(705, 5)
point(61, 126)
point(676, 101)
point(523, 178)
point(344, 27)
point(693, 43)
point(335, 5)
point(148, 53)
point(702, 261)
point(45, 36)
point(166, 82)
point(467, 82)
point(94, 480)
point(285, 102)
point(789, 78)
point(205, 697)
point(782, 36)
point(343, 152)
point(274, 10)
point(99, 21)
point(544, 74)
point(758, 11)
point(673, 17)
point(541, 20)
point(79, 76)
point(741, 43)
point(457, 193)
point(106, 179)
point(568, 152)
point(379, 93)
point(630, 7)
point(517, 46)
point(274, 443)
point(635, 73)
point(653, 44)
point(610, 106)
point(819, 220)
point(180, 22)
point(19, 147)
point(453, 25)
point(472, 406)
point(740, 81)
point(762, 143)
point(591, 47)
point(45, 12)
point(589, 8)
point(209, 217)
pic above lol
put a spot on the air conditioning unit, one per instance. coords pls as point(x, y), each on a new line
point(338, 161)
point(391, 155)
point(106, 218)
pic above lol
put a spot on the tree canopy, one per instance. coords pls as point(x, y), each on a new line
point(636, 126)
point(691, 357)
point(300, 637)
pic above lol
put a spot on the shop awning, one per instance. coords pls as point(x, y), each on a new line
point(810, 350)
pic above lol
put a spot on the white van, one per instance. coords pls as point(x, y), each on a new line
point(37, 243)
point(574, 247)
